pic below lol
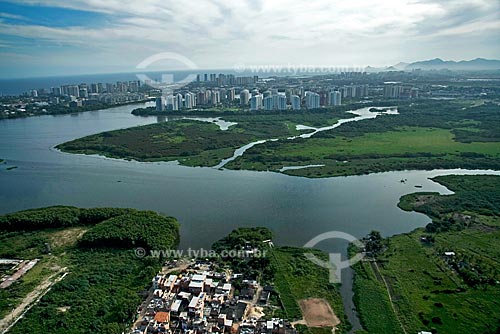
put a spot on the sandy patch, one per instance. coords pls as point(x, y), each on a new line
point(318, 313)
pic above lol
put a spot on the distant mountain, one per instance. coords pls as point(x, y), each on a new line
point(370, 69)
point(399, 66)
point(477, 64)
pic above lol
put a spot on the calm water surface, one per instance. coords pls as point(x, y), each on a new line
point(208, 202)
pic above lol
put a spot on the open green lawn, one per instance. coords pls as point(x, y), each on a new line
point(296, 278)
point(407, 147)
point(405, 140)
point(429, 294)
point(450, 294)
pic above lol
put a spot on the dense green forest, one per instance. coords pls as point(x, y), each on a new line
point(57, 216)
point(144, 229)
point(243, 236)
point(105, 280)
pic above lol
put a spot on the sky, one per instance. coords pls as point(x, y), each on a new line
point(53, 37)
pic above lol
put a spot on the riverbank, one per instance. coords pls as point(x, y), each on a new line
point(195, 142)
point(443, 278)
point(55, 110)
point(237, 110)
point(423, 135)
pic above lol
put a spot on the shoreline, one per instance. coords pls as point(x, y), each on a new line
point(74, 111)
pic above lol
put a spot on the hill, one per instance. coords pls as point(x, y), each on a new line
point(478, 64)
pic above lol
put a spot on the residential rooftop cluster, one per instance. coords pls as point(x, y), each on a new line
point(201, 300)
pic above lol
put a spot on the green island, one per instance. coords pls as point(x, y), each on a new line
point(426, 134)
point(196, 143)
point(443, 278)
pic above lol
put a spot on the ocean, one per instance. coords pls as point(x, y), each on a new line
point(22, 85)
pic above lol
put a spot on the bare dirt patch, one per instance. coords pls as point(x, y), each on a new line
point(424, 199)
point(63, 309)
point(255, 312)
point(67, 237)
point(318, 313)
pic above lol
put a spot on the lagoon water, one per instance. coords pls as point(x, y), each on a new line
point(208, 202)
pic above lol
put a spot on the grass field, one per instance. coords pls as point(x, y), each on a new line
point(30, 245)
point(406, 148)
point(296, 278)
point(432, 291)
point(372, 299)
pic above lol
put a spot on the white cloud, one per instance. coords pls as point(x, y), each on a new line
point(216, 33)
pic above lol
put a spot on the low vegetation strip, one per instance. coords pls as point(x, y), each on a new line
point(372, 300)
point(443, 278)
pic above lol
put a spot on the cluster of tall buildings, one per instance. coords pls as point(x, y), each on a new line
point(396, 90)
point(212, 89)
point(335, 98)
point(226, 79)
point(354, 91)
point(83, 90)
point(312, 100)
point(271, 99)
point(85, 94)
point(190, 100)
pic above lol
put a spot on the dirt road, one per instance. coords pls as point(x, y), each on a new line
point(31, 299)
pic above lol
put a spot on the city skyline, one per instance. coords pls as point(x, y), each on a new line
point(44, 38)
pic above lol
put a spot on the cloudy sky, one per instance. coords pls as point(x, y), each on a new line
point(53, 37)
